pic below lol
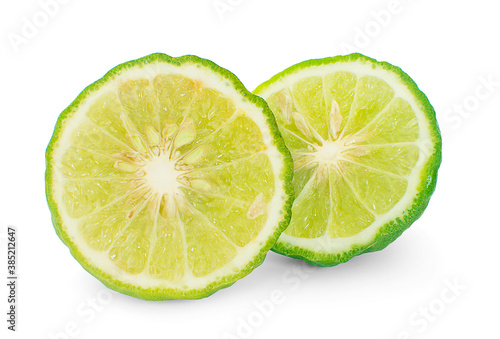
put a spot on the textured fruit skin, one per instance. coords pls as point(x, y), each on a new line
point(170, 293)
point(394, 228)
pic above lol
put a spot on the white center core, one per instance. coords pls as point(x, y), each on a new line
point(329, 152)
point(161, 175)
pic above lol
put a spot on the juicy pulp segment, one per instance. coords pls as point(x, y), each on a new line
point(354, 147)
point(196, 219)
point(349, 215)
point(309, 220)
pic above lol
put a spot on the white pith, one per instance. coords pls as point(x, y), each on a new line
point(161, 175)
point(328, 153)
point(162, 185)
point(327, 156)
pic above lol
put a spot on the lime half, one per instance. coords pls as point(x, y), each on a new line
point(366, 150)
point(168, 179)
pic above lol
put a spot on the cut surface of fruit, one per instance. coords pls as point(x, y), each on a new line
point(167, 179)
point(366, 150)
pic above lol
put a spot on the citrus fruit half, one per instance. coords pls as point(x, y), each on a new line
point(366, 150)
point(167, 179)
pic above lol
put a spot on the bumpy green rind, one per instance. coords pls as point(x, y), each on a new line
point(394, 228)
point(170, 293)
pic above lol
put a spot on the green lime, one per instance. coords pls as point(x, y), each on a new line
point(167, 179)
point(366, 150)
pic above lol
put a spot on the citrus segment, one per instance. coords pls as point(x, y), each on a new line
point(308, 219)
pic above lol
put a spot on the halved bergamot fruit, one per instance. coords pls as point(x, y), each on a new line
point(167, 179)
point(366, 150)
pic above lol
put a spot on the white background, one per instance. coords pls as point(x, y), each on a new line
point(448, 47)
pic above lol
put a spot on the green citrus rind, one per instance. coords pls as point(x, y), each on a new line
point(391, 230)
point(170, 293)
